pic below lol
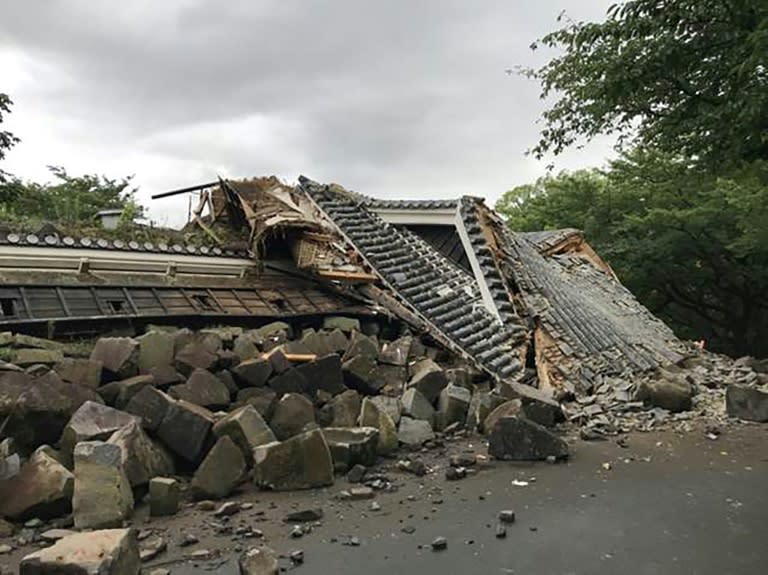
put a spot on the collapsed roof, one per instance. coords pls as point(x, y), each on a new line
point(510, 303)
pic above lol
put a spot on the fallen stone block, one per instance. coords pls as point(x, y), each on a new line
point(748, 403)
point(344, 409)
point(337, 341)
point(519, 439)
point(119, 393)
point(511, 408)
point(245, 349)
point(43, 488)
point(185, 429)
point(345, 324)
point(429, 378)
point(480, 407)
point(417, 406)
point(150, 405)
point(164, 495)
point(393, 406)
point(252, 372)
point(106, 552)
point(119, 357)
point(323, 374)
point(142, 458)
point(195, 356)
point(279, 361)
point(156, 348)
point(259, 561)
point(37, 410)
point(262, 398)
point(537, 405)
point(372, 416)
point(165, 375)
point(396, 352)
point(81, 371)
point(452, 406)
point(389, 379)
point(674, 396)
point(23, 340)
point(102, 496)
point(301, 462)
point(202, 388)
point(276, 329)
point(360, 374)
point(414, 432)
point(290, 381)
point(92, 421)
point(292, 413)
point(31, 356)
point(225, 376)
point(352, 445)
point(220, 472)
point(246, 428)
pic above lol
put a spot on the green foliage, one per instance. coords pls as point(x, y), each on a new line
point(70, 199)
point(686, 77)
point(692, 246)
point(7, 139)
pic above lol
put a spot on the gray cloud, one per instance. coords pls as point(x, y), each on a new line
point(390, 98)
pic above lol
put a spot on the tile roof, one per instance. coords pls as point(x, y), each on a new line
point(440, 291)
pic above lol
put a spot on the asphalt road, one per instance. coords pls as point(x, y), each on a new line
point(665, 504)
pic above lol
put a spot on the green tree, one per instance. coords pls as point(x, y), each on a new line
point(71, 199)
point(692, 246)
point(687, 77)
point(7, 139)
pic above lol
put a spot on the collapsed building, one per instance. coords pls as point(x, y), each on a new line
point(329, 328)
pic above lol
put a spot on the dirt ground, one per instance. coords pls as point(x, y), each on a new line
point(653, 503)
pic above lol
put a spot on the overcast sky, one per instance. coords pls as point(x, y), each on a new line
point(392, 99)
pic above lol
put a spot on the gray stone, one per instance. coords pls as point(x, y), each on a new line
point(290, 381)
point(118, 355)
point(252, 372)
point(372, 416)
point(279, 362)
point(360, 374)
point(195, 356)
point(344, 409)
point(429, 378)
point(538, 405)
point(30, 356)
point(345, 324)
point(323, 374)
point(262, 398)
point(352, 445)
point(748, 403)
point(221, 470)
point(185, 428)
point(23, 340)
point(396, 352)
point(156, 348)
point(245, 349)
point(480, 407)
point(452, 406)
point(392, 406)
point(164, 494)
point(668, 394)
point(119, 393)
point(275, 329)
point(417, 406)
point(302, 462)
point(102, 496)
point(317, 343)
point(389, 379)
point(246, 428)
point(37, 410)
point(259, 561)
point(414, 432)
point(105, 552)
point(202, 388)
point(226, 377)
point(43, 488)
point(337, 341)
point(511, 408)
point(151, 406)
point(81, 371)
point(142, 458)
point(519, 439)
point(165, 375)
point(292, 412)
point(92, 421)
